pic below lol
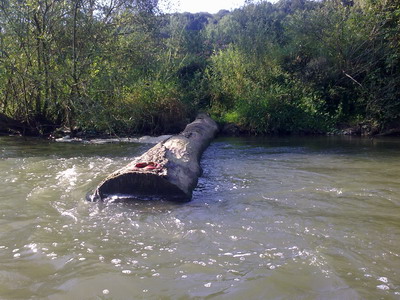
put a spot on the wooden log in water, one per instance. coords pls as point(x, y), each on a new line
point(168, 171)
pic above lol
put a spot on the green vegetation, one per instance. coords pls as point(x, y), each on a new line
point(123, 67)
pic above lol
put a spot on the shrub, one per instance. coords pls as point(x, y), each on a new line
point(260, 97)
point(154, 107)
point(147, 107)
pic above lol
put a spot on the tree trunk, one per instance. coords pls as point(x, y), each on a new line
point(9, 125)
point(168, 171)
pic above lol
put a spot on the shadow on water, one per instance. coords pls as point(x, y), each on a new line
point(351, 144)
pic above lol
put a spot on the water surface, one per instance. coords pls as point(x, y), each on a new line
point(272, 218)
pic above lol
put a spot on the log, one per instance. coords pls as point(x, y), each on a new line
point(168, 171)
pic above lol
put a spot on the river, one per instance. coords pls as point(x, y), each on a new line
point(271, 218)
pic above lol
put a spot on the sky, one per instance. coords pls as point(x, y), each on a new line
point(211, 6)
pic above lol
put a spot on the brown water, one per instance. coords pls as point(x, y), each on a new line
point(274, 218)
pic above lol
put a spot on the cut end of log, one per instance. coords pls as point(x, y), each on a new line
point(138, 186)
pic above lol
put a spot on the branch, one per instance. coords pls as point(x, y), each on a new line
point(352, 78)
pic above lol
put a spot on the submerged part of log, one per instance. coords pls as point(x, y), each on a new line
point(168, 171)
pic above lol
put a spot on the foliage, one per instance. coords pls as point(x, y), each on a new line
point(306, 66)
point(261, 97)
point(123, 67)
point(148, 106)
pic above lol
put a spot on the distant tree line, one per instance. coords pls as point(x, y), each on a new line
point(124, 67)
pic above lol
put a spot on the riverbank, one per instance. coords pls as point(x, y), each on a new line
point(9, 126)
point(226, 130)
point(362, 129)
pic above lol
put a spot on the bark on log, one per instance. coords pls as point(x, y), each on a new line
point(168, 171)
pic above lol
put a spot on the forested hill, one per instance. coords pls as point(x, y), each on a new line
point(124, 67)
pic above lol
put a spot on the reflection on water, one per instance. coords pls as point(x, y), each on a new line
point(273, 218)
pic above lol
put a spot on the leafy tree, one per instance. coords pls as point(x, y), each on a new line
point(124, 67)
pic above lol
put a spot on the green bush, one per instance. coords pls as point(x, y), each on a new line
point(260, 97)
point(147, 107)
point(154, 107)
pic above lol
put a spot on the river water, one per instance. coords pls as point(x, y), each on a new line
point(272, 218)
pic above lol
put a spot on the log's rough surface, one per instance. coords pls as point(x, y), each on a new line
point(176, 172)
